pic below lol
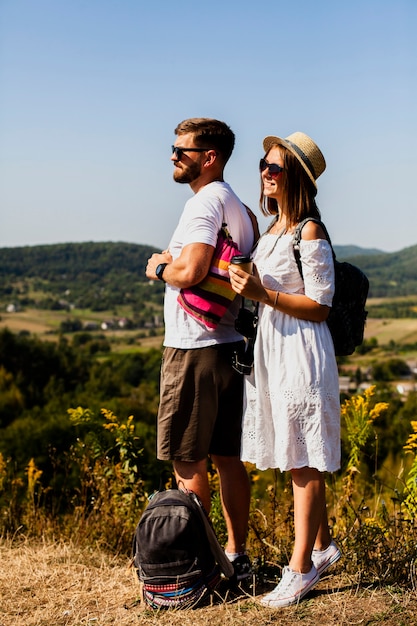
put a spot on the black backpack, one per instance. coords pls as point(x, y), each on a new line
point(176, 552)
point(347, 316)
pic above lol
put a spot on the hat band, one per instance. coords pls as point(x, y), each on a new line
point(303, 157)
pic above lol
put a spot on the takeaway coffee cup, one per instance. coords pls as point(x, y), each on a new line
point(243, 261)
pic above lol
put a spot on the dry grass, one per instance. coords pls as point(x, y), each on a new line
point(59, 584)
point(30, 321)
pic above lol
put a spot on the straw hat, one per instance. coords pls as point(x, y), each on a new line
point(304, 149)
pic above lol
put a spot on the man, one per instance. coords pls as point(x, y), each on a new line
point(201, 395)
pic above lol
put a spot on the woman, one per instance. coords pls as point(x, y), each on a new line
point(292, 415)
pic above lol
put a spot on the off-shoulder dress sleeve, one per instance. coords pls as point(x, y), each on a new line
point(318, 270)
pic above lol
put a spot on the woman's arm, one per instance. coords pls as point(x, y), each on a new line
point(297, 305)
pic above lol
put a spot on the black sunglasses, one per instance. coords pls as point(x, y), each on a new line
point(273, 168)
point(178, 151)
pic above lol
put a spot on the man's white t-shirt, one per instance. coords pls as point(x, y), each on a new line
point(200, 222)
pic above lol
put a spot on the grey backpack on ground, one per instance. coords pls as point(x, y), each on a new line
point(178, 558)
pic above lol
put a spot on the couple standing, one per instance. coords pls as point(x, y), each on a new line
point(290, 404)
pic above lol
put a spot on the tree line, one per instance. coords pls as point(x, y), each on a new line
point(103, 275)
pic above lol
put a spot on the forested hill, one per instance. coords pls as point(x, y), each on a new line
point(75, 260)
point(100, 269)
point(390, 274)
point(88, 275)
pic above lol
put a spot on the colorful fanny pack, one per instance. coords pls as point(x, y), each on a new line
point(209, 300)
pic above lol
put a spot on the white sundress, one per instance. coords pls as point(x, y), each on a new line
point(292, 405)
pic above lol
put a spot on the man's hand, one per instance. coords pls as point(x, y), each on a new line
point(187, 270)
point(154, 261)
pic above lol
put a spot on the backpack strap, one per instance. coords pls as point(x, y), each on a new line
point(216, 549)
point(297, 238)
point(253, 219)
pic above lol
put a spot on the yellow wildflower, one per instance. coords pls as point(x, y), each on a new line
point(411, 443)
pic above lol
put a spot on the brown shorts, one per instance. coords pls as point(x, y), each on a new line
point(200, 410)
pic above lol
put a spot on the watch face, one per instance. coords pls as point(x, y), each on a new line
point(160, 270)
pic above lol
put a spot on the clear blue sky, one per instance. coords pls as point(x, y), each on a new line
point(91, 91)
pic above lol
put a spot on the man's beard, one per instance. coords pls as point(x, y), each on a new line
point(187, 174)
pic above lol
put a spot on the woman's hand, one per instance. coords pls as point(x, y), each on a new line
point(247, 285)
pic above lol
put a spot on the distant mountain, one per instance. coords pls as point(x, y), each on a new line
point(346, 252)
point(102, 274)
point(390, 273)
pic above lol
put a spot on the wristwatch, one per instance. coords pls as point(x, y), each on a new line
point(160, 270)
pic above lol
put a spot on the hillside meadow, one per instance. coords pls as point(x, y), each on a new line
point(54, 575)
point(49, 578)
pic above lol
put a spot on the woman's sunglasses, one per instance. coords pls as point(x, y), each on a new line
point(274, 169)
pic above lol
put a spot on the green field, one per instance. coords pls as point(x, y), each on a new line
point(46, 324)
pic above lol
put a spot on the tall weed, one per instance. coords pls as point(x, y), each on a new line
point(377, 539)
point(410, 500)
point(111, 494)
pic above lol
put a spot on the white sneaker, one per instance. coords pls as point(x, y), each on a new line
point(292, 587)
point(323, 559)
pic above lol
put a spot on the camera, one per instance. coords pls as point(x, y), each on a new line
point(245, 324)
point(242, 361)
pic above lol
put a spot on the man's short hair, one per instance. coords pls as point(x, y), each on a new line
point(209, 133)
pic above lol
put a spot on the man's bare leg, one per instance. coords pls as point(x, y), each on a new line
point(192, 475)
point(234, 492)
point(235, 496)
